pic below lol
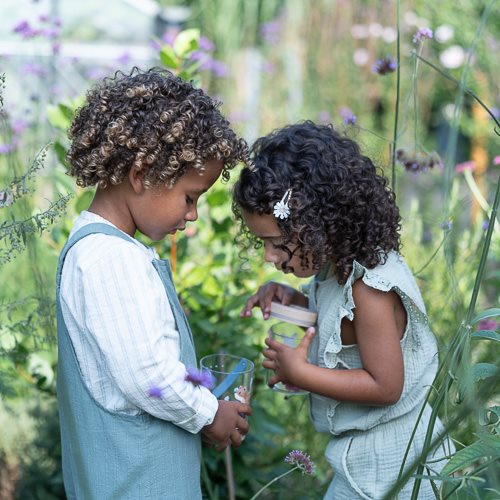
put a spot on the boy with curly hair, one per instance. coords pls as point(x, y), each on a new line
point(131, 419)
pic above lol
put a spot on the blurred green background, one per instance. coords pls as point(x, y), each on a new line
point(270, 62)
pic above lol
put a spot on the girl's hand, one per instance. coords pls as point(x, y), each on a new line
point(267, 293)
point(287, 362)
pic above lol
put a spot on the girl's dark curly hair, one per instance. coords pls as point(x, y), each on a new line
point(341, 209)
point(150, 120)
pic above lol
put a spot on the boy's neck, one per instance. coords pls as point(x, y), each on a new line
point(108, 204)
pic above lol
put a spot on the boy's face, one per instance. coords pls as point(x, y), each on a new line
point(265, 227)
point(161, 210)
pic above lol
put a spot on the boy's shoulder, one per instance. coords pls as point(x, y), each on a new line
point(95, 250)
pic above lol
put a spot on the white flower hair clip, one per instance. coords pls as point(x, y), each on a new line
point(281, 208)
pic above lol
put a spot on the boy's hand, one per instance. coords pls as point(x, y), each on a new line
point(265, 295)
point(287, 362)
point(229, 426)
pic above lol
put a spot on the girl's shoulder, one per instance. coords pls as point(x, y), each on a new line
point(391, 275)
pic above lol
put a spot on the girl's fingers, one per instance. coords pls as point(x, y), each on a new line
point(270, 365)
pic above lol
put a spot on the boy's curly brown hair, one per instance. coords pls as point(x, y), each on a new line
point(151, 120)
point(341, 208)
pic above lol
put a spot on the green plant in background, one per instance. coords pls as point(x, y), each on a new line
point(276, 71)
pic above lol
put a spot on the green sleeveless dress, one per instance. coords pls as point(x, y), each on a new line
point(369, 442)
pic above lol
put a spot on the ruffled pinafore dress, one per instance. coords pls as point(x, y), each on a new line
point(369, 442)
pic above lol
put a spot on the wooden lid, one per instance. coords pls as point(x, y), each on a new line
point(293, 314)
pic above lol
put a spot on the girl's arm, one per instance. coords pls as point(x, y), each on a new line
point(269, 292)
point(378, 329)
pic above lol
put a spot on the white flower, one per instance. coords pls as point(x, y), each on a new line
point(281, 210)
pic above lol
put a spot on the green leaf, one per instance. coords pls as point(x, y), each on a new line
point(60, 151)
point(486, 334)
point(186, 41)
point(57, 117)
point(481, 371)
point(168, 57)
point(487, 446)
point(489, 313)
point(83, 200)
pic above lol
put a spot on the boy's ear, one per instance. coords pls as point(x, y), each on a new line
point(136, 177)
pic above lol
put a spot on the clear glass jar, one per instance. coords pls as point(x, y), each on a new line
point(290, 330)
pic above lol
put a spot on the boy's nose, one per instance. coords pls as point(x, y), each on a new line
point(192, 215)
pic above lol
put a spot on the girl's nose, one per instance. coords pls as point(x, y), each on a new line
point(270, 254)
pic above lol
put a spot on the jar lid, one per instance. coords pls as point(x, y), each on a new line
point(293, 314)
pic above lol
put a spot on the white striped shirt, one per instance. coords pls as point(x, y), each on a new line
point(123, 331)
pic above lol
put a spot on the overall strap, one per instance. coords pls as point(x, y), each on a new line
point(93, 228)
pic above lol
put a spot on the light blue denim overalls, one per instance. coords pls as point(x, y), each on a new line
point(113, 456)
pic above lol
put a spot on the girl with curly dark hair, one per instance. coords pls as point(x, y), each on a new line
point(320, 209)
point(131, 410)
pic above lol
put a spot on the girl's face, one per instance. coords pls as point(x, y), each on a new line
point(265, 227)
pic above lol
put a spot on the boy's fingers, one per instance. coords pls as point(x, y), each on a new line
point(275, 346)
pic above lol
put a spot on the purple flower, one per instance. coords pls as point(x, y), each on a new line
point(32, 68)
point(124, 58)
point(446, 225)
point(385, 65)
point(205, 44)
point(487, 324)
point(348, 116)
point(324, 117)
point(422, 34)
point(486, 225)
point(200, 377)
point(418, 162)
point(271, 31)
point(466, 165)
point(5, 149)
point(301, 460)
point(155, 392)
point(496, 160)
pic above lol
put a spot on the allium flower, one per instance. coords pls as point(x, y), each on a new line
point(155, 392)
point(385, 65)
point(348, 116)
point(200, 377)
point(487, 324)
point(466, 165)
point(301, 460)
point(422, 34)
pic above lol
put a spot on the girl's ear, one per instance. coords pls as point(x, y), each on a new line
point(136, 178)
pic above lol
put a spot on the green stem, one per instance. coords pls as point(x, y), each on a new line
point(465, 89)
point(432, 256)
point(396, 112)
point(273, 481)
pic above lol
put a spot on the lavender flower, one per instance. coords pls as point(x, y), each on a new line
point(301, 460)
point(348, 116)
point(487, 324)
point(155, 392)
point(422, 34)
point(385, 65)
point(200, 377)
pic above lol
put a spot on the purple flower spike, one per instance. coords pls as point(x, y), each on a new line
point(422, 34)
point(385, 65)
point(348, 116)
point(301, 460)
point(155, 392)
point(200, 377)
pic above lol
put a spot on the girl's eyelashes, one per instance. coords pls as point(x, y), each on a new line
point(189, 200)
